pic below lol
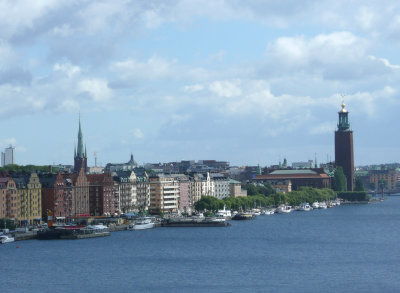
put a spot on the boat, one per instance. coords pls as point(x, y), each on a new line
point(196, 222)
point(6, 239)
point(89, 231)
point(322, 205)
point(144, 223)
point(268, 212)
point(243, 216)
point(226, 214)
point(256, 212)
point(305, 207)
point(315, 205)
point(284, 209)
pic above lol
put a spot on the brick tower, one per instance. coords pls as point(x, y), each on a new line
point(344, 154)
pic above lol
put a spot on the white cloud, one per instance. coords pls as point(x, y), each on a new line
point(69, 69)
point(226, 88)
point(193, 88)
point(8, 141)
point(137, 133)
point(326, 127)
point(97, 88)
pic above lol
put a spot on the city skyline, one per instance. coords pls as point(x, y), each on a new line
point(246, 83)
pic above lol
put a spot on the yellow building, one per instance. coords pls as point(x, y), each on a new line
point(164, 194)
point(30, 199)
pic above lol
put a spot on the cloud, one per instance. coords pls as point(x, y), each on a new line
point(97, 89)
point(9, 141)
point(193, 88)
point(226, 88)
point(335, 56)
point(137, 133)
point(326, 127)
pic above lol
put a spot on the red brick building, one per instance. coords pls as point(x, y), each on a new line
point(80, 193)
point(316, 178)
point(56, 195)
point(101, 194)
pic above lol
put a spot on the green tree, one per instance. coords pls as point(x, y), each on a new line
point(251, 189)
point(359, 185)
point(382, 184)
point(372, 186)
point(339, 180)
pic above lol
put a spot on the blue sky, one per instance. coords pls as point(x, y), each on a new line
point(244, 81)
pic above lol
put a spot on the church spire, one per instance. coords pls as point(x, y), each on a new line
point(80, 150)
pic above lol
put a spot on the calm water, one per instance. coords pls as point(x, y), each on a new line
point(345, 249)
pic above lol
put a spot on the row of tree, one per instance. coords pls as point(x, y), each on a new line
point(294, 198)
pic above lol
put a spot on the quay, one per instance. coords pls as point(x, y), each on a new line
point(84, 236)
point(194, 223)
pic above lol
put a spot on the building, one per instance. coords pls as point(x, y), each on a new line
point(185, 193)
point(127, 191)
point(30, 198)
point(235, 188)
point(9, 198)
point(80, 193)
point(316, 178)
point(80, 156)
point(301, 165)
point(101, 194)
point(128, 166)
point(56, 195)
point(282, 186)
point(221, 185)
point(195, 187)
point(344, 154)
point(164, 194)
point(388, 176)
point(8, 158)
point(142, 189)
point(207, 185)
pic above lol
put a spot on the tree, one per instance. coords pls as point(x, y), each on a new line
point(372, 186)
point(339, 180)
point(251, 189)
point(382, 184)
point(359, 185)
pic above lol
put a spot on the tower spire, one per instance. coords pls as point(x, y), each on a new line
point(80, 150)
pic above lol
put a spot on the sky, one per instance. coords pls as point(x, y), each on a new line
point(249, 82)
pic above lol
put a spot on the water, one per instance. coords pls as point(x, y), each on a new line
point(351, 248)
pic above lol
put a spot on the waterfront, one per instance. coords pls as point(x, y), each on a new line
point(352, 248)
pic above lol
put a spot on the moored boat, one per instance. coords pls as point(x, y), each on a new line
point(284, 209)
point(305, 207)
point(6, 239)
point(144, 223)
point(243, 216)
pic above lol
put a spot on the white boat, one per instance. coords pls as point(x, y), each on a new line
point(284, 209)
point(268, 212)
point(5, 239)
point(95, 229)
point(224, 213)
point(144, 223)
point(305, 207)
point(315, 205)
point(256, 212)
point(322, 205)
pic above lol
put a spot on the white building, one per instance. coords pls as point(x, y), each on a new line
point(7, 158)
point(221, 185)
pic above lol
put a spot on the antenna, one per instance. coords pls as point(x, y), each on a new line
point(95, 159)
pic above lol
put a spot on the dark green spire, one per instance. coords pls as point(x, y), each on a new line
point(80, 151)
point(343, 124)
